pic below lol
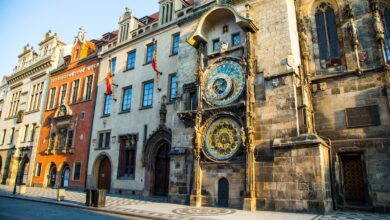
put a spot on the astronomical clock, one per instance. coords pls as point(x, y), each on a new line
point(223, 85)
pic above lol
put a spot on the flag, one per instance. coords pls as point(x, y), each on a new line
point(109, 81)
point(154, 65)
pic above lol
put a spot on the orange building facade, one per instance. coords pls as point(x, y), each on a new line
point(62, 154)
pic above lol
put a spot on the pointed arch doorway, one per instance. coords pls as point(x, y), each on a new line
point(156, 160)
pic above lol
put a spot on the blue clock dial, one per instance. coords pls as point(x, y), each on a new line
point(224, 83)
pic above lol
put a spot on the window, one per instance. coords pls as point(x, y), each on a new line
point(126, 101)
point(38, 170)
point(77, 171)
point(82, 115)
point(147, 100)
point(190, 96)
point(14, 106)
point(131, 60)
point(126, 163)
point(104, 139)
point(149, 53)
point(32, 134)
point(63, 94)
point(113, 65)
point(52, 97)
point(107, 105)
point(175, 44)
point(386, 20)
point(75, 90)
point(3, 136)
point(25, 133)
point(88, 87)
point(216, 45)
point(36, 96)
point(69, 139)
point(236, 39)
point(172, 87)
point(328, 43)
point(11, 137)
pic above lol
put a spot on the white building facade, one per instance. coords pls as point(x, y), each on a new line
point(23, 108)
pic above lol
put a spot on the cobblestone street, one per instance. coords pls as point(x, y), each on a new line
point(132, 206)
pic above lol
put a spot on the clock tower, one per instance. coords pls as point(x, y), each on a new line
point(223, 146)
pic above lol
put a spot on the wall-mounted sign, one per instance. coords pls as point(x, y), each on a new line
point(74, 73)
point(362, 116)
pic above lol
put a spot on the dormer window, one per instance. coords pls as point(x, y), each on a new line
point(166, 12)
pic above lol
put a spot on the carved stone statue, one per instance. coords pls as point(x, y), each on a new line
point(353, 32)
point(81, 35)
point(224, 46)
point(378, 26)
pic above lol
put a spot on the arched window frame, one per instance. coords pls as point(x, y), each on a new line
point(385, 12)
point(335, 61)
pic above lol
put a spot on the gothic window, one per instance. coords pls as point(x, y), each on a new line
point(386, 20)
point(328, 44)
point(126, 163)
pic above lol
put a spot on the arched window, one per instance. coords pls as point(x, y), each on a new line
point(328, 44)
point(386, 20)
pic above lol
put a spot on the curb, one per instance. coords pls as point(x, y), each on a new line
point(86, 208)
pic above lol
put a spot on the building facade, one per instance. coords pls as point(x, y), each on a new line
point(3, 95)
point(141, 107)
point(62, 154)
point(20, 121)
point(278, 105)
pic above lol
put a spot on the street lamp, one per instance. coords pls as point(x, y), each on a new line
point(13, 152)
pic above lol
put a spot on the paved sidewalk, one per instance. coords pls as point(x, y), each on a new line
point(132, 206)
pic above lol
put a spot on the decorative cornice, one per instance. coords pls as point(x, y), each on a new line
point(41, 65)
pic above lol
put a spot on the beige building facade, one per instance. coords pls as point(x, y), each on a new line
point(23, 107)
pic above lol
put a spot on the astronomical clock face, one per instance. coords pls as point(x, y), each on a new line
point(223, 139)
point(224, 83)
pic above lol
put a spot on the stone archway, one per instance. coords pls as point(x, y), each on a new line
point(65, 176)
point(23, 171)
point(102, 172)
point(156, 161)
point(51, 178)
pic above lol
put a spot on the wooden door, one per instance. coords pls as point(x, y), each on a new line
point(353, 178)
point(223, 193)
point(104, 178)
point(161, 172)
point(52, 176)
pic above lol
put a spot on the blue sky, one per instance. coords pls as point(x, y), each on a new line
point(26, 21)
